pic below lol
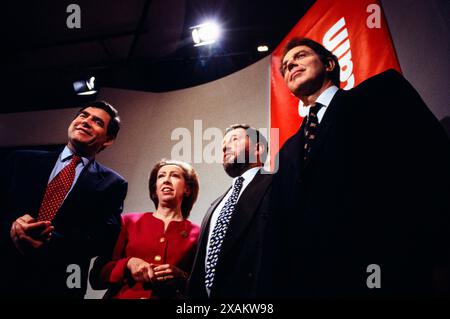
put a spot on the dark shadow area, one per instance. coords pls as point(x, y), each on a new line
point(4, 151)
point(446, 124)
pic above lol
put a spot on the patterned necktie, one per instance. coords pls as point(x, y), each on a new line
point(57, 190)
point(311, 128)
point(219, 232)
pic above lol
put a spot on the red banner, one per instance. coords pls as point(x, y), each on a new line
point(355, 31)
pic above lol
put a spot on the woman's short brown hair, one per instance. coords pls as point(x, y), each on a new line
point(190, 176)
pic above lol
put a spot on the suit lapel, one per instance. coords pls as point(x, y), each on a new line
point(89, 179)
point(198, 272)
point(245, 210)
point(45, 165)
point(324, 127)
point(43, 168)
point(87, 183)
point(292, 160)
point(204, 230)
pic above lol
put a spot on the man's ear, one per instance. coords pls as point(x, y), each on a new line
point(259, 150)
point(331, 64)
point(109, 141)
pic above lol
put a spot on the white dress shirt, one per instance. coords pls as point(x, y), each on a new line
point(324, 98)
point(63, 160)
point(248, 177)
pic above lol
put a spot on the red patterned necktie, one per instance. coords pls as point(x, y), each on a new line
point(57, 190)
point(312, 125)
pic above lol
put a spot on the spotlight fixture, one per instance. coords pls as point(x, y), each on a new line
point(205, 33)
point(85, 87)
point(262, 48)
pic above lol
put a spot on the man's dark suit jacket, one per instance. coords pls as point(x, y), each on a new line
point(375, 190)
point(238, 268)
point(86, 225)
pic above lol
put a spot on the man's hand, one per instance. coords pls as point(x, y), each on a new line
point(167, 272)
point(28, 234)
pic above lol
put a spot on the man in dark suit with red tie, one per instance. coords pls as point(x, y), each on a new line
point(228, 259)
point(60, 209)
point(361, 199)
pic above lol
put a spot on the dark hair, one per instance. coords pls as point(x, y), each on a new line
point(190, 176)
point(320, 50)
point(114, 124)
point(254, 135)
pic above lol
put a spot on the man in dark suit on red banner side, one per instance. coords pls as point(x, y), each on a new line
point(361, 198)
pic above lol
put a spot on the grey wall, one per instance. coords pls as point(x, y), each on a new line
point(421, 33)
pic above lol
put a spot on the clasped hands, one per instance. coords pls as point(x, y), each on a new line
point(28, 234)
point(144, 272)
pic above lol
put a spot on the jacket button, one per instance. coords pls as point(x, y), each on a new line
point(157, 258)
point(162, 239)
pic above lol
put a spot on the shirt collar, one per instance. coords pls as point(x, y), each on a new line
point(248, 174)
point(324, 98)
point(67, 154)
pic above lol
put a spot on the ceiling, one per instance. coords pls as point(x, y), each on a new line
point(135, 44)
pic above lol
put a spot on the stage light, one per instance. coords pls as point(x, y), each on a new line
point(85, 87)
point(263, 48)
point(205, 33)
